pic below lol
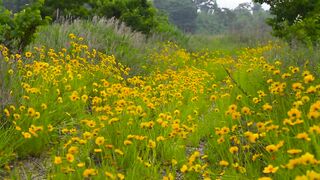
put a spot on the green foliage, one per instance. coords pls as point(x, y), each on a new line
point(206, 5)
point(223, 43)
point(138, 14)
point(109, 36)
point(295, 19)
point(54, 8)
point(246, 23)
point(215, 22)
point(17, 30)
point(243, 25)
point(307, 31)
point(167, 31)
point(182, 13)
point(7, 137)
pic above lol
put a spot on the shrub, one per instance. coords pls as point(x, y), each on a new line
point(17, 30)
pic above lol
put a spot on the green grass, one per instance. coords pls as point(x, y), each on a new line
point(107, 36)
point(169, 78)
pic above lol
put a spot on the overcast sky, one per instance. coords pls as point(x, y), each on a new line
point(231, 4)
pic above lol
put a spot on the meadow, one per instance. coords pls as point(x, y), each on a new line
point(99, 105)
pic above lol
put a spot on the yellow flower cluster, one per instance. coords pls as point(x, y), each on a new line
point(199, 115)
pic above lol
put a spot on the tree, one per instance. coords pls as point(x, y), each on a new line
point(295, 19)
point(256, 8)
point(17, 30)
point(138, 14)
point(73, 8)
point(182, 13)
point(17, 27)
point(207, 6)
point(246, 23)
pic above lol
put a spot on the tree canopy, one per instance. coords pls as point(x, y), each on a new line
point(206, 17)
point(17, 31)
point(182, 13)
point(295, 19)
point(140, 15)
point(19, 19)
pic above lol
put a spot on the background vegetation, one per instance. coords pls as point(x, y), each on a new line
point(295, 20)
point(245, 23)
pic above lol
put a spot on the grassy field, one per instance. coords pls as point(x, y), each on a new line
point(108, 104)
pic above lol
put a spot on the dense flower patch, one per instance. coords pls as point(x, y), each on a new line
point(197, 115)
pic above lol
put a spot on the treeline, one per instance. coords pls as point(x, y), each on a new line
point(139, 14)
point(19, 19)
point(292, 20)
point(193, 16)
point(206, 17)
point(295, 20)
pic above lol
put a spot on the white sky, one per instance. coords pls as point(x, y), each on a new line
point(231, 4)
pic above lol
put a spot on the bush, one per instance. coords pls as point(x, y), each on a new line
point(17, 30)
point(138, 14)
point(295, 20)
point(106, 35)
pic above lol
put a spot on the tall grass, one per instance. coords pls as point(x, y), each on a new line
point(106, 35)
point(297, 54)
point(159, 123)
point(109, 36)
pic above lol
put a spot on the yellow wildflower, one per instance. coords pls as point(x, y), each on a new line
point(99, 140)
point(270, 169)
point(57, 160)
